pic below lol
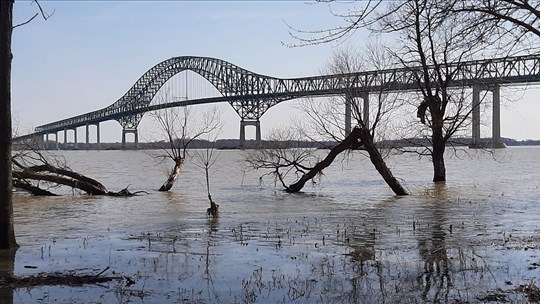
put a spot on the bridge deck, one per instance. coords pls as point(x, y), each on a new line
point(252, 94)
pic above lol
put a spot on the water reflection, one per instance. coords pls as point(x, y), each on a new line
point(431, 236)
point(7, 269)
point(345, 241)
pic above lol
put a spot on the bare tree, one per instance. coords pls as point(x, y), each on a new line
point(180, 130)
point(205, 160)
point(43, 174)
point(326, 121)
point(508, 24)
point(428, 38)
point(7, 232)
point(38, 174)
point(284, 156)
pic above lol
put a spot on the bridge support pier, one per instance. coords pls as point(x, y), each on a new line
point(38, 142)
point(243, 124)
point(363, 112)
point(57, 145)
point(98, 139)
point(46, 145)
point(134, 132)
point(496, 141)
point(88, 136)
point(74, 138)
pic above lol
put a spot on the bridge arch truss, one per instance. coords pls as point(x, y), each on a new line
point(252, 94)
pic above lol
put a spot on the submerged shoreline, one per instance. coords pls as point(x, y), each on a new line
point(345, 240)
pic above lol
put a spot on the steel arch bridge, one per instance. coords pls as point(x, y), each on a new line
point(252, 94)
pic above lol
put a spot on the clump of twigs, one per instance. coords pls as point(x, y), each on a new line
point(531, 291)
point(125, 192)
point(57, 278)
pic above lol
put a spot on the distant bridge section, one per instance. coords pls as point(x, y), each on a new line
point(251, 94)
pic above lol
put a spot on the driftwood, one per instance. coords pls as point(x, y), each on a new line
point(32, 169)
point(52, 279)
point(125, 192)
point(60, 177)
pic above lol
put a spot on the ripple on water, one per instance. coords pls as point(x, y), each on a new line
point(345, 239)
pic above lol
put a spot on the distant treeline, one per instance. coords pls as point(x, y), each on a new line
point(527, 142)
point(231, 144)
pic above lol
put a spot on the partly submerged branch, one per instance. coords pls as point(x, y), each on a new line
point(277, 159)
point(28, 187)
point(350, 142)
point(125, 193)
point(81, 184)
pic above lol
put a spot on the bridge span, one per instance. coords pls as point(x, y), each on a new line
point(251, 94)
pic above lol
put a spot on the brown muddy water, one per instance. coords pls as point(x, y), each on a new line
point(346, 239)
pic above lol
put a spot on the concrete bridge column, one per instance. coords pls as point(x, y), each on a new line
point(46, 141)
point(75, 137)
point(476, 116)
point(365, 109)
point(36, 141)
point(97, 137)
point(87, 137)
point(362, 112)
point(57, 140)
point(65, 138)
point(134, 132)
point(349, 100)
point(496, 117)
point(243, 124)
point(496, 141)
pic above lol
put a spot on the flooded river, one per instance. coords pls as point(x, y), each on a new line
point(345, 239)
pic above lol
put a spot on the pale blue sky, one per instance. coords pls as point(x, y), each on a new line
point(89, 53)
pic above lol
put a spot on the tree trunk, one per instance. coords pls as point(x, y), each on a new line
point(7, 232)
point(439, 145)
point(355, 139)
point(172, 177)
point(85, 186)
point(7, 271)
point(379, 163)
point(31, 189)
point(213, 211)
point(95, 186)
point(350, 142)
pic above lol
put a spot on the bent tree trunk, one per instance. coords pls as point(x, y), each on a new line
point(31, 188)
point(28, 178)
point(23, 176)
point(354, 140)
point(173, 175)
point(350, 142)
point(379, 163)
